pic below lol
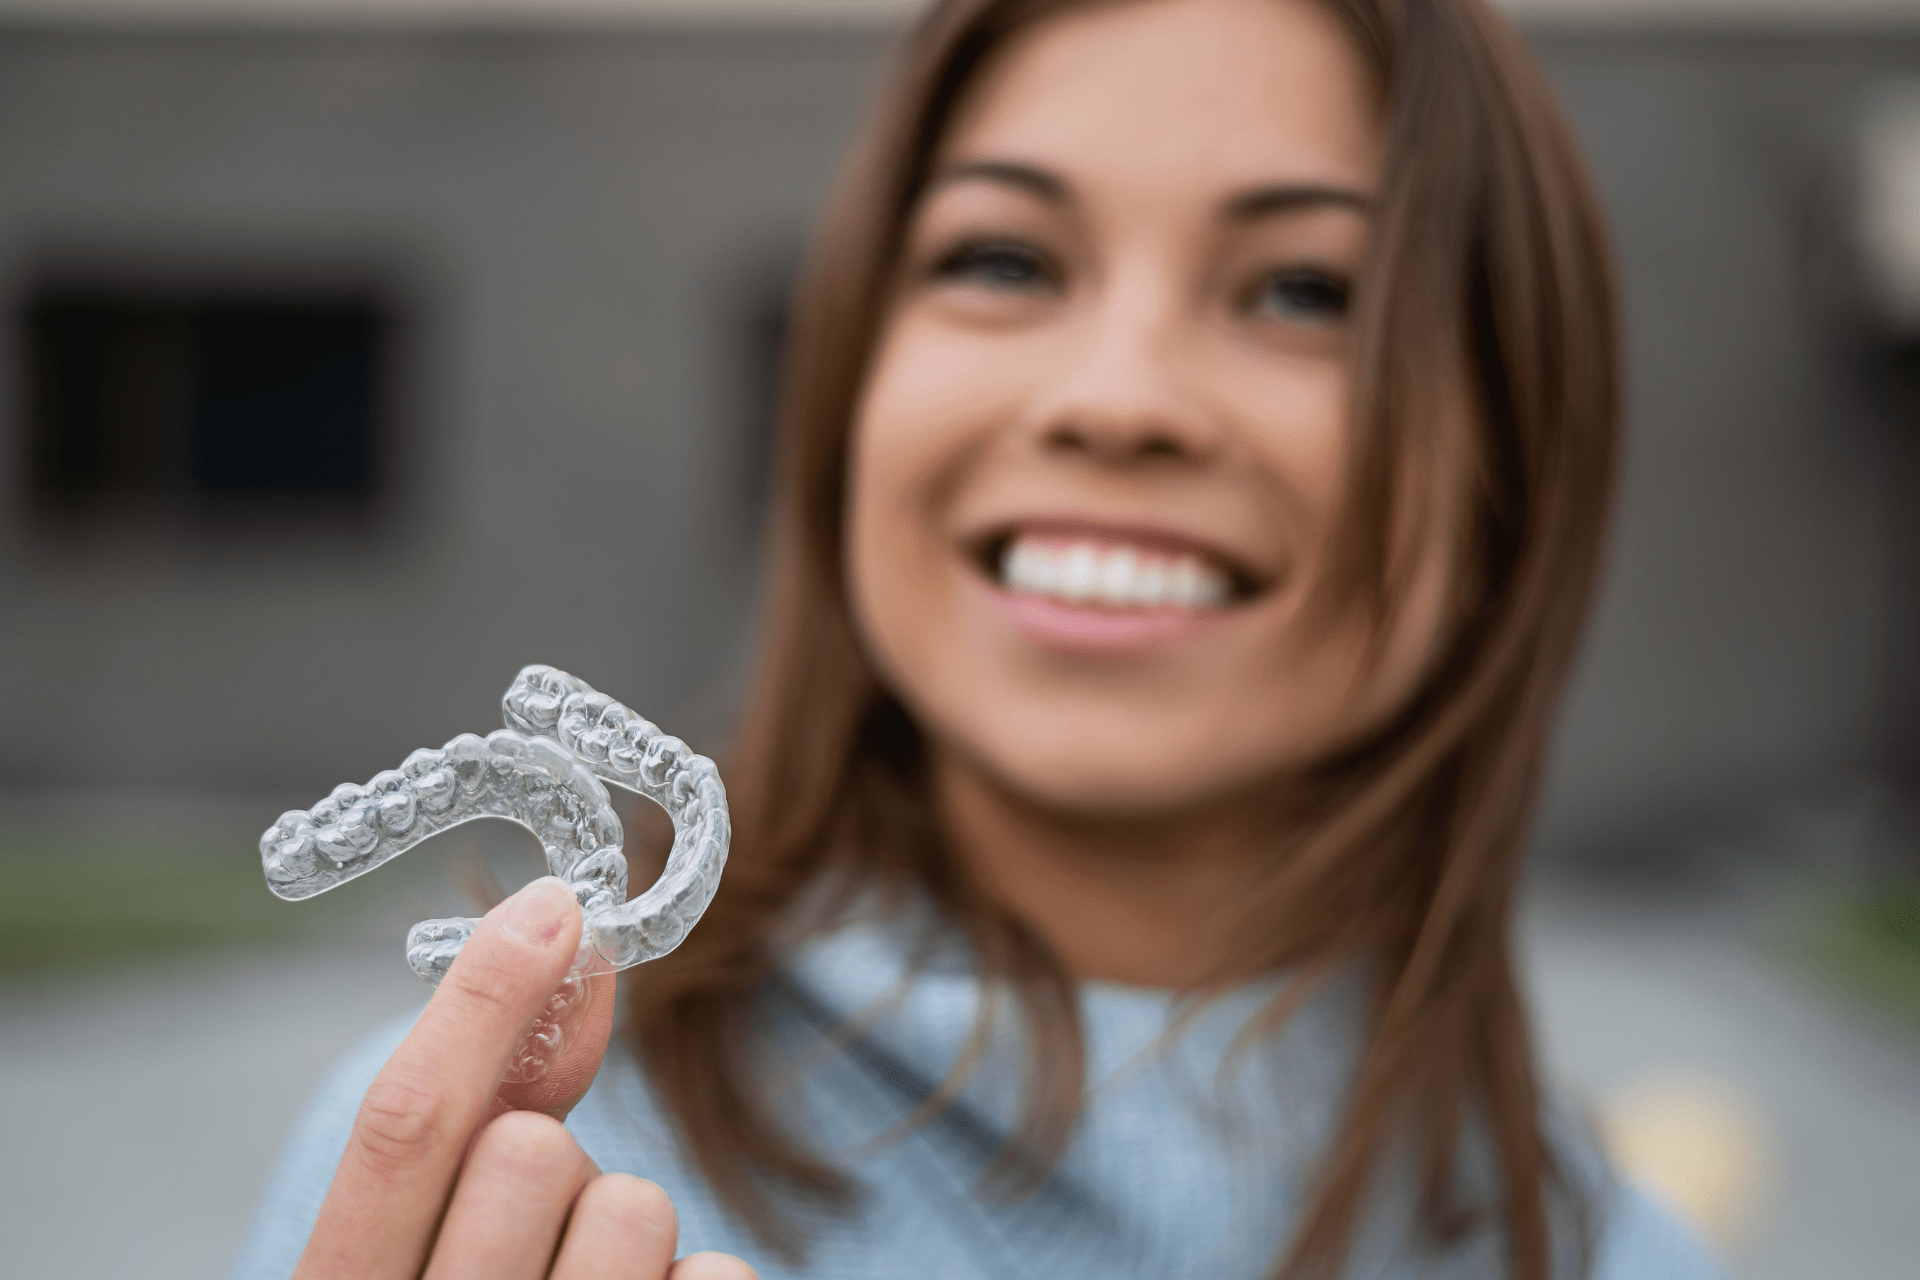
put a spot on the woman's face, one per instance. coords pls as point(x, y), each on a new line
point(1103, 445)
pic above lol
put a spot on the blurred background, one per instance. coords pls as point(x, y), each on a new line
point(354, 353)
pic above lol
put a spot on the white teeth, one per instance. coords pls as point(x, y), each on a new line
point(1185, 583)
point(1021, 564)
point(1114, 576)
point(1150, 582)
point(1078, 574)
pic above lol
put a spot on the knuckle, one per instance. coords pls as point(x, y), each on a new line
point(712, 1266)
point(637, 1209)
point(526, 1144)
point(487, 991)
point(401, 1122)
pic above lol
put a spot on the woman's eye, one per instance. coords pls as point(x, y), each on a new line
point(1302, 294)
point(995, 266)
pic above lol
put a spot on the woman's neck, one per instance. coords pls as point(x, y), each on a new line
point(1138, 899)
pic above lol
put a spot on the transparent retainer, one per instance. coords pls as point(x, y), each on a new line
point(546, 771)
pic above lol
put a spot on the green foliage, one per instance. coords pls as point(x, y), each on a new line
point(69, 902)
point(1869, 942)
point(1893, 919)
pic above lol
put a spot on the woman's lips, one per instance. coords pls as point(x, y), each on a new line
point(1072, 628)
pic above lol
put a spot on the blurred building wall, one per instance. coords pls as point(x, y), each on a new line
point(587, 234)
point(1756, 635)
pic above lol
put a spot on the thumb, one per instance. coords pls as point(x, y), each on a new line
point(570, 1033)
point(584, 1029)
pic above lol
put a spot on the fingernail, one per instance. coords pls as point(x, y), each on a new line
point(538, 912)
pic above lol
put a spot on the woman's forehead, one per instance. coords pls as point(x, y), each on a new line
point(1202, 95)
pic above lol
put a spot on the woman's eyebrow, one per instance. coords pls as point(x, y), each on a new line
point(1024, 177)
point(1264, 202)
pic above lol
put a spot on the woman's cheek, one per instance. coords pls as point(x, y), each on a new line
point(872, 580)
point(895, 548)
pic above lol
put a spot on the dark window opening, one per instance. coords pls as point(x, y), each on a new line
point(207, 400)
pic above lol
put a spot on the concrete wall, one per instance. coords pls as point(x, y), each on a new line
point(589, 229)
point(586, 230)
point(1755, 636)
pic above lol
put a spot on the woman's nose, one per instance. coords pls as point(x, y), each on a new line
point(1129, 395)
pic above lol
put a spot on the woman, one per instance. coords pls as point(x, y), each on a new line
point(1199, 430)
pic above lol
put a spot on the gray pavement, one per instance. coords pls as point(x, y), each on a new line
point(1625, 990)
point(142, 1110)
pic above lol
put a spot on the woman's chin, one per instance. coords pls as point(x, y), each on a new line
point(1087, 786)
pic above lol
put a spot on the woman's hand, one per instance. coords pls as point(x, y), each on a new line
point(449, 1173)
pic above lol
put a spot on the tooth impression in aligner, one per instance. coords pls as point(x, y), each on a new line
point(547, 771)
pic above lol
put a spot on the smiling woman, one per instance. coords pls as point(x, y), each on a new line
point(1199, 425)
point(1110, 348)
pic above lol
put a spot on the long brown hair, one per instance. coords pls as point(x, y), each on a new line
point(1487, 278)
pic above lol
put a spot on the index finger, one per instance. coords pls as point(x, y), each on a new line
point(381, 1212)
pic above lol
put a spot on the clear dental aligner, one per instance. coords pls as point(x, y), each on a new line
point(546, 771)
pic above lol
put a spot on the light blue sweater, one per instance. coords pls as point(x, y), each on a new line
point(1187, 1162)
